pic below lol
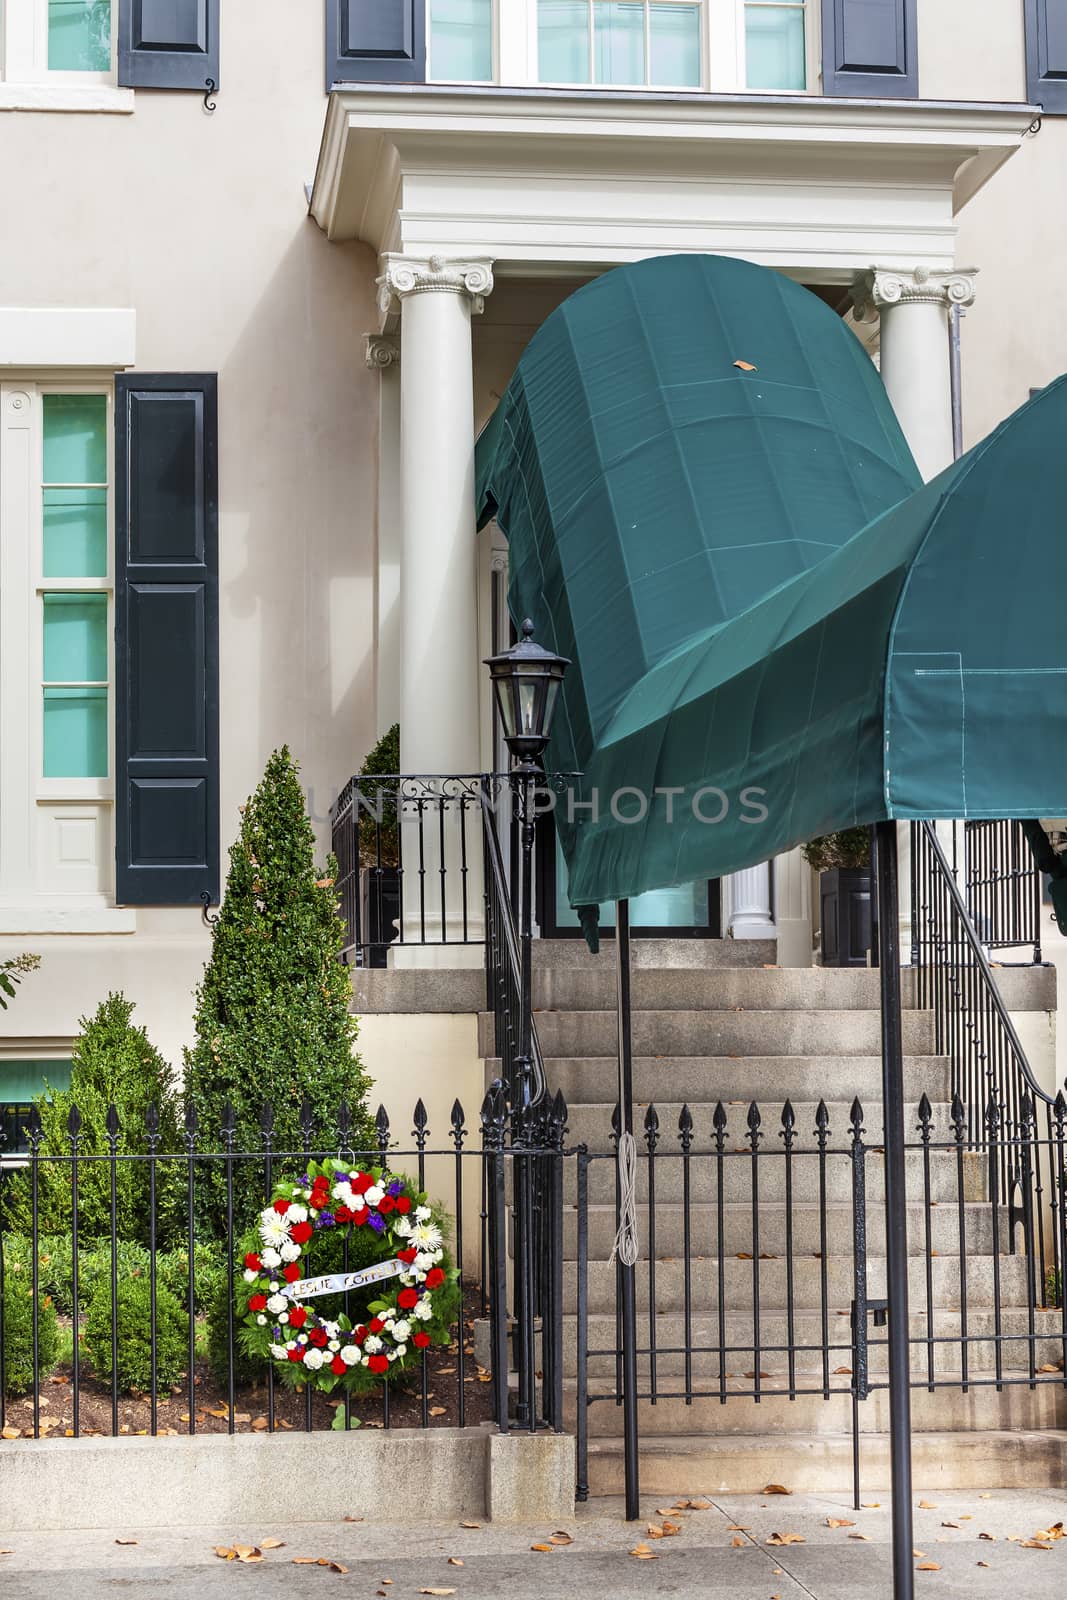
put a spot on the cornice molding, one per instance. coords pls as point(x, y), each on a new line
point(879, 287)
point(403, 276)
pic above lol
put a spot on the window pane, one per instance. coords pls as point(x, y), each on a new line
point(75, 438)
point(75, 638)
point(675, 44)
point(79, 35)
point(75, 533)
point(774, 47)
point(563, 41)
point(461, 40)
point(75, 733)
point(619, 41)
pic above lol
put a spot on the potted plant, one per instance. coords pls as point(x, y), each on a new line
point(378, 833)
point(842, 861)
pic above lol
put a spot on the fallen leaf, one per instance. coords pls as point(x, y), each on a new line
point(546, 1547)
point(787, 1538)
point(872, 1505)
point(10, 1433)
point(220, 1412)
point(737, 1527)
point(259, 1424)
point(470, 1524)
point(125, 1541)
point(928, 1566)
point(920, 1555)
point(454, 1561)
point(438, 1411)
point(839, 1522)
point(643, 1553)
point(950, 1524)
point(1034, 1544)
point(746, 366)
point(353, 1519)
point(272, 1544)
point(982, 1563)
point(776, 1488)
point(990, 1536)
point(924, 1505)
point(737, 1543)
point(696, 1505)
point(862, 1536)
point(1048, 1368)
point(561, 1536)
point(437, 1591)
point(843, 1372)
point(335, 1566)
point(985, 1497)
point(225, 1553)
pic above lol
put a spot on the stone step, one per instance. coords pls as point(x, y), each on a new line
point(980, 1408)
point(806, 1229)
point(808, 1278)
point(590, 1124)
point(712, 989)
point(700, 954)
point(743, 1464)
point(770, 1078)
point(721, 1033)
point(807, 1175)
point(706, 1362)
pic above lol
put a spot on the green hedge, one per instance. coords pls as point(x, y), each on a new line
point(133, 1329)
point(18, 1331)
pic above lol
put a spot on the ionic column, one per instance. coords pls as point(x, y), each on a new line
point(747, 897)
point(439, 701)
point(383, 357)
point(913, 308)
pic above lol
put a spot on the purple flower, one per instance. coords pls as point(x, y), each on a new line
point(306, 1180)
point(396, 1187)
point(376, 1221)
point(325, 1219)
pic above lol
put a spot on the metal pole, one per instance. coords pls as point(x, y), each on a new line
point(627, 1273)
point(884, 842)
point(526, 1411)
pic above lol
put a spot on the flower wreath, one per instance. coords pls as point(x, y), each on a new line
point(310, 1347)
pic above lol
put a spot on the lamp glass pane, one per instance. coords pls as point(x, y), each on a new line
point(563, 41)
point(529, 699)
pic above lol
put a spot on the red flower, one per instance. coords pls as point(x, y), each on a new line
point(257, 1302)
point(282, 1206)
point(342, 1214)
point(292, 1272)
point(296, 1354)
point(337, 1366)
point(386, 1204)
point(420, 1340)
point(434, 1278)
point(375, 1325)
point(407, 1255)
point(406, 1299)
point(318, 1337)
point(301, 1232)
point(359, 1217)
point(252, 1261)
point(359, 1334)
point(378, 1363)
point(403, 1204)
point(363, 1183)
point(298, 1317)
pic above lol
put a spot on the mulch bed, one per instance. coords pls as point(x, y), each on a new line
point(252, 1409)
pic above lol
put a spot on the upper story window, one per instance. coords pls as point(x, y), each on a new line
point(723, 45)
point(79, 35)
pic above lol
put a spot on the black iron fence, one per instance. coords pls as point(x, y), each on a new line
point(119, 1318)
point(1002, 886)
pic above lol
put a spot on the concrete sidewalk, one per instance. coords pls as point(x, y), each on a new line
point(700, 1561)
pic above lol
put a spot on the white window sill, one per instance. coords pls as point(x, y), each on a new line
point(66, 916)
point(65, 97)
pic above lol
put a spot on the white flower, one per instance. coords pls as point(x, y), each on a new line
point(278, 1351)
point(402, 1227)
point(401, 1330)
point(249, 1275)
point(290, 1345)
point(276, 1303)
point(374, 1194)
point(289, 1251)
point(273, 1286)
point(401, 1350)
point(358, 1203)
point(334, 1345)
point(343, 1193)
point(423, 1311)
point(332, 1328)
point(350, 1355)
point(275, 1229)
point(314, 1359)
point(270, 1258)
point(283, 1316)
point(426, 1235)
point(372, 1344)
point(297, 1214)
point(423, 1213)
point(423, 1261)
point(261, 1320)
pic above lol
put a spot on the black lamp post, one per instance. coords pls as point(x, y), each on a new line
point(526, 682)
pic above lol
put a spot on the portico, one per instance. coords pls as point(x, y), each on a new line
point(459, 190)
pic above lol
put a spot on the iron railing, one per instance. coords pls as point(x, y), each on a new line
point(68, 1345)
point(1003, 886)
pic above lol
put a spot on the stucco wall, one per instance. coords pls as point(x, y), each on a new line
point(200, 223)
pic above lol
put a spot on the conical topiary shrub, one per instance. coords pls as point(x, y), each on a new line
point(272, 1019)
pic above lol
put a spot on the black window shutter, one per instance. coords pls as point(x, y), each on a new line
point(169, 44)
point(166, 638)
point(375, 41)
point(869, 49)
point(1046, 54)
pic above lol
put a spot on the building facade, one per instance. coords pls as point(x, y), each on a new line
point(263, 281)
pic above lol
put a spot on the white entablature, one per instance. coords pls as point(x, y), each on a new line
point(545, 181)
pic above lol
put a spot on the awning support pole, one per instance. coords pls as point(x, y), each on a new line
point(627, 1270)
point(884, 843)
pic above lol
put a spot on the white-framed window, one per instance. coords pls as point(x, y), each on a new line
point(56, 639)
point(727, 46)
point(62, 42)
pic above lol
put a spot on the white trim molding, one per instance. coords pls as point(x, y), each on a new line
point(100, 98)
point(555, 181)
point(46, 337)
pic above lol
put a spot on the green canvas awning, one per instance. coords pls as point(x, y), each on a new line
point(775, 631)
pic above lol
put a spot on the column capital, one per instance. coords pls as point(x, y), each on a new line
point(402, 276)
point(381, 351)
point(877, 287)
